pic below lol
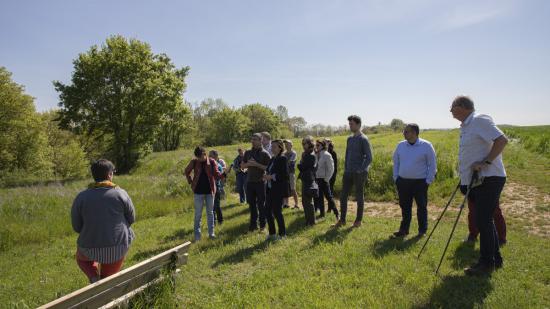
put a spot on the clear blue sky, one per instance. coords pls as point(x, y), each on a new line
point(323, 60)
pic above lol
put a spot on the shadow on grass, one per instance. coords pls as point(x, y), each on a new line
point(242, 255)
point(381, 248)
point(149, 253)
point(332, 235)
point(459, 292)
point(464, 255)
point(238, 213)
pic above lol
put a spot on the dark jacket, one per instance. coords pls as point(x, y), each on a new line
point(211, 171)
point(335, 159)
point(307, 168)
point(280, 186)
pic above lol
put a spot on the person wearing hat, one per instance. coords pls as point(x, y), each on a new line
point(291, 156)
point(255, 160)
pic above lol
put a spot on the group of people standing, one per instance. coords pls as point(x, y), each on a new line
point(266, 180)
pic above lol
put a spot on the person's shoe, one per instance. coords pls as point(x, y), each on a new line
point(338, 224)
point(420, 235)
point(262, 230)
point(399, 234)
point(502, 243)
point(499, 264)
point(212, 237)
point(252, 229)
point(286, 206)
point(470, 239)
point(295, 207)
point(479, 269)
point(94, 280)
point(329, 210)
point(357, 224)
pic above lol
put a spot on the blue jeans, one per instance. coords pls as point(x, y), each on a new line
point(200, 200)
point(241, 186)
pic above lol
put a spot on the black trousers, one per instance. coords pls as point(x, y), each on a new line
point(486, 198)
point(307, 198)
point(255, 196)
point(274, 212)
point(409, 189)
point(218, 215)
point(325, 192)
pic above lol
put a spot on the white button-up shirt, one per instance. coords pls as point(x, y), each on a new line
point(477, 134)
point(416, 161)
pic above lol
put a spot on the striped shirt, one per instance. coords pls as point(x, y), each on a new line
point(107, 255)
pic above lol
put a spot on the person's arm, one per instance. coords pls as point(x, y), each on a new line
point(496, 150)
point(432, 164)
point(129, 210)
point(330, 165)
point(188, 170)
point(395, 163)
point(76, 217)
point(367, 154)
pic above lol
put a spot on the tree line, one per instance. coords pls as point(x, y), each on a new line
point(122, 102)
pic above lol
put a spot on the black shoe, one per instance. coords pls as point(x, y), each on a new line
point(399, 234)
point(420, 235)
point(480, 269)
point(470, 239)
point(286, 206)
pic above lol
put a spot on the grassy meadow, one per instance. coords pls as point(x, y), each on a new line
point(313, 267)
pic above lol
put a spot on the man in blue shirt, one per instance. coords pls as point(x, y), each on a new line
point(356, 167)
point(414, 169)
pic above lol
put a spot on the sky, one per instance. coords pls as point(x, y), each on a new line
point(323, 60)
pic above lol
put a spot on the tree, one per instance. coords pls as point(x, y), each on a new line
point(23, 143)
point(176, 124)
point(67, 156)
point(297, 124)
point(282, 112)
point(261, 118)
point(397, 124)
point(121, 90)
point(227, 126)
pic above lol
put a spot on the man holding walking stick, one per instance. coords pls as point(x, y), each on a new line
point(480, 150)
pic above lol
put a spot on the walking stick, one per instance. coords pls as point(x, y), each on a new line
point(438, 220)
point(474, 182)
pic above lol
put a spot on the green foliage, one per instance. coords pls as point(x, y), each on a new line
point(67, 156)
point(176, 125)
point(122, 90)
point(24, 151)
point(535, 139)
point(261, 118)
point(227, 126)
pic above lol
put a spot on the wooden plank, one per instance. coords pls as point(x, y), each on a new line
point(87, 292)
point(125, 299)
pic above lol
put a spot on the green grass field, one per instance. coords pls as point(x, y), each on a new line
point(313, 267)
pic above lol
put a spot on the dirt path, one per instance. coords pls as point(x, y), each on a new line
point(522, 206)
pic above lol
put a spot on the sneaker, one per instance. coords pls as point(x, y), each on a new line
point(338, 224)
point(357, 224)
point(479, 269)
point(420, 235)
point(399, 234)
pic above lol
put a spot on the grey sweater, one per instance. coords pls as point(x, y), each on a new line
point(358, 154)
point(102, 217)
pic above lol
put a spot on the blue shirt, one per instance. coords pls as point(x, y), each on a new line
point(358, 154)
point(416, 161)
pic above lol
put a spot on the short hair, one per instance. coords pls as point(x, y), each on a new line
point(199, 151)
point(266, 135)
point(101, 169)
point(323, 143)
point(464, 102)
point(355, 119)
point(287, 141)
point(257, 135)
point(280, 144)
point(308, 140)
point(213, 153)
point(413, 126)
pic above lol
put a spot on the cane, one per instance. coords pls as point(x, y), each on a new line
point(438, 220)
point(474, 182)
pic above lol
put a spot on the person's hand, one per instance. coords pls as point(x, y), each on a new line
point(478, 166)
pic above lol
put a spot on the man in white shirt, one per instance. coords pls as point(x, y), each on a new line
point(266, 142)
point(414, 169)
point(480, 149)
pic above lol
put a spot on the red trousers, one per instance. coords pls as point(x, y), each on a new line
point(500, 224)
point(95, 271)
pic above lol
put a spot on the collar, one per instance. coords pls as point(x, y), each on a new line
point(467, 120)
point(102, 184)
